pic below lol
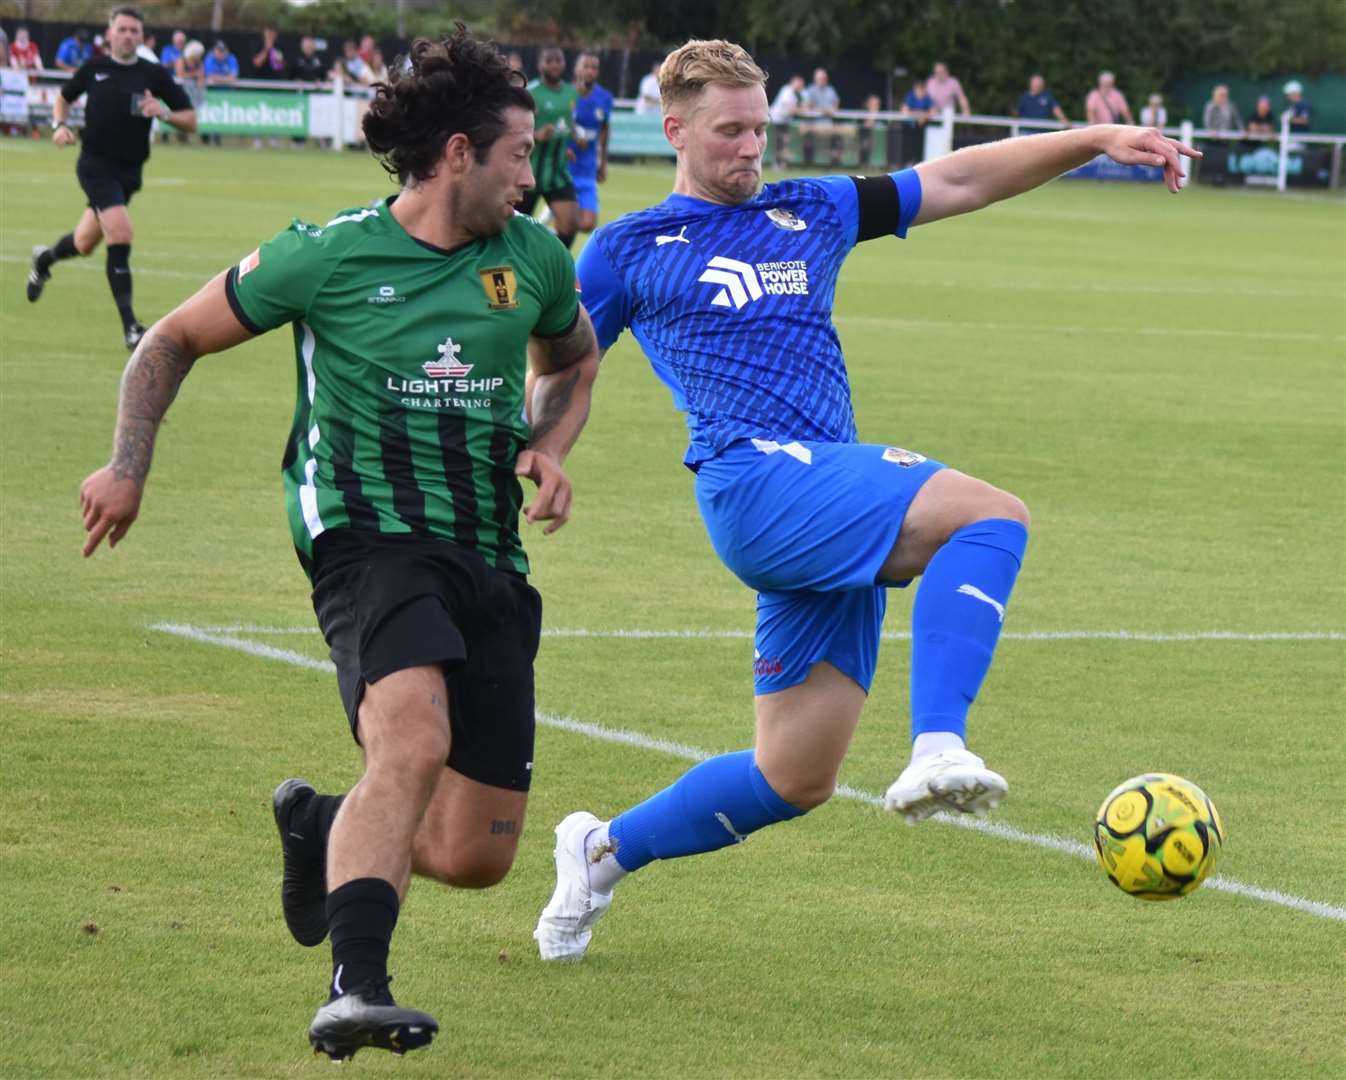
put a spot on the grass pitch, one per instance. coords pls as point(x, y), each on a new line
point(1160, 378)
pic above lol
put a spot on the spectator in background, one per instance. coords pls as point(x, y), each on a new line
point(918, 104)
point(4, 48)
point(1106, 104)
point(648, 100)
point(1263, 121)
point(783, 109)
point(1221, 114)
point(376, 71)
point(1154, 114)
point(515, 62)
point(1039, 103)
point(190, 71)
point(946, 91)
point(350, 65)
point(145, 50)
point(865, 130)
point(221, 66)
point(820, 100)
point(169, 57)
point(367, 47)
point(74, 50)
point(1301, 112)
point(308, 65)
point(268, 62)
point(24, 53)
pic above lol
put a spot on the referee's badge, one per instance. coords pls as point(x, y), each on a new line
point(501, 287)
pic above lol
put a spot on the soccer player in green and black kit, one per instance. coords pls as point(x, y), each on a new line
point(125, 94)
point(555, 100)
point(413, 318)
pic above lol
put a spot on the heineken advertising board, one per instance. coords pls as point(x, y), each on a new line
point(253, 112)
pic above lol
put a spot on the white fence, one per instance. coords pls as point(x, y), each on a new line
point(940, 138)
point(332, 111)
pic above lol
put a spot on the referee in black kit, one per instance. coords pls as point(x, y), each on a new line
point(125, 95)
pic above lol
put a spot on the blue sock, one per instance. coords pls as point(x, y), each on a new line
point(955, 622)
point(710, 806)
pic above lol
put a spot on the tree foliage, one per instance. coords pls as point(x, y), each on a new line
point(993, 45)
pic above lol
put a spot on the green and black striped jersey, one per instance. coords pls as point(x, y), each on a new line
point(411, 363)
point(551, 170)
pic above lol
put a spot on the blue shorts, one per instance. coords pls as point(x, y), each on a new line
point(586, 191)
point(809, 525)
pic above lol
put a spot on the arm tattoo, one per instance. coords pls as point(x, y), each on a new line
point(569, 349)
point(149, 386)
point(554, 403)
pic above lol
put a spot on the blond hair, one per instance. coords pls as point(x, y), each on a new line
point(690, 68)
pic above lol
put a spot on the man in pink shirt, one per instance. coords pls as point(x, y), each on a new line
point(945, 90)
point(1106, 104)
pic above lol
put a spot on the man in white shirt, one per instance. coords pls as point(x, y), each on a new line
point(820, 99)
point(647, 100)
point(783, 110)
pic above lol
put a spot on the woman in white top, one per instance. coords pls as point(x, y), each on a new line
point(1154, 114)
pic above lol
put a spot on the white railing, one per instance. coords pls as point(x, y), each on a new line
point(940, 137)
point(334, 105)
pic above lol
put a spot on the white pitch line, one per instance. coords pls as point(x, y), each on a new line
point(225, 639)
point(891, 635)
point(97, 267)
point(1051, 328)
point(692, 753)
point(1158, 289)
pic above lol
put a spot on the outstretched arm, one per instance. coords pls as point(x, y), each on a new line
point(977, 176)
point(560, 388)
point(110, 498)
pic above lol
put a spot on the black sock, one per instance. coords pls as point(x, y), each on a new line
point(64, 248)
point(313, 820)
point(119, 280)
point(566, 238)
point(361, 914)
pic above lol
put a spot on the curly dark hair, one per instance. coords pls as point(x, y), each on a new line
point(439, 89)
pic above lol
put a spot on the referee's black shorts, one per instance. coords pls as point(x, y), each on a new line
point(106, 181)
point(387, 603)
point(564, 193)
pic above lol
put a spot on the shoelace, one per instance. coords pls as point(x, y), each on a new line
point(374, 991)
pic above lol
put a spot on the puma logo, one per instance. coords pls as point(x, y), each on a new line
point(977, 594)
point(660, 241)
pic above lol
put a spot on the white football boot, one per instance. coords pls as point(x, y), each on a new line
point(950, 780)
point(566, 924)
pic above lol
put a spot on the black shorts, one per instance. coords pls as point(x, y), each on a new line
point(105, 181)
point(565, 193)
point(387, 603)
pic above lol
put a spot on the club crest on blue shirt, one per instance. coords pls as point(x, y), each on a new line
point(904, 458)
point(786, 219)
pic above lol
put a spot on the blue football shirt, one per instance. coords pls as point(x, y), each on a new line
point(733, 304)
point(593, 112)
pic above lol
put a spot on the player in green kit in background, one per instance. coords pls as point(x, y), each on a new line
point(555, 100)
point(413, 320)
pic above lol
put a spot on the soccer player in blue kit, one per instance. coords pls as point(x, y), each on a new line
point(729, 291)
point(589, 140)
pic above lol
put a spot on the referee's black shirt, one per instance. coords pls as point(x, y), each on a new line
point(113, 126)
